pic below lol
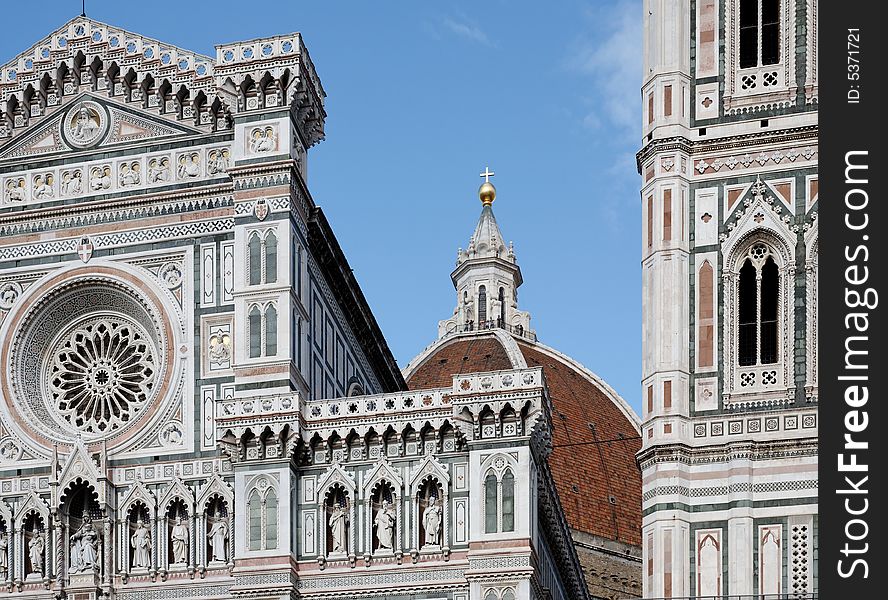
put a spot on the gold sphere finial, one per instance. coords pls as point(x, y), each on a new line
point(487, 192)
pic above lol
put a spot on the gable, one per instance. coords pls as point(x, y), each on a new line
point(89, 121)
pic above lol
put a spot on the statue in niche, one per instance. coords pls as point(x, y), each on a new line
point(179, 540)
point(36, 547)
point(385, 525)
point(141, 543)
point(217, 535)
point(431, 521)
point(338, 522)
point(4, 554)
point(84, 546)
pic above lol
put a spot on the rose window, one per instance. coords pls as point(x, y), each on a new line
point(89, 359)
point(103, 373)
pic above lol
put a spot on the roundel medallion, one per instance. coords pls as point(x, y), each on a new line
point(85, 124)
point(91, 358)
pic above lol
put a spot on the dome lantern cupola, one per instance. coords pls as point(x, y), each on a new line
point(487, 277)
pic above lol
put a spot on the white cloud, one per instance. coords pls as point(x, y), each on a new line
point(611, 55)
point(464, 27)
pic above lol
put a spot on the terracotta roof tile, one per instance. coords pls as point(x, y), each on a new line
point(465, 355)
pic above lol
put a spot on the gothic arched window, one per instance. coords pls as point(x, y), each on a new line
point(502, 307)
point(759, 33)
point(255, 511)
point(490, 503)
point(271, 319)
point(271, 249)
point(255, 255)
point(482, 304)
point(508, 510)
point(271, 520)
point(262, 514)
point(758, 301)
point(262, 250)
point(255, 325)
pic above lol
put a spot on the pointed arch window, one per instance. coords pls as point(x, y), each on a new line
point(255, 324)
point(508, 510)
point(759, 33)
point(262, 323)
point(482, 304)
point(262, 515)
point(262, 254)
point(502, 307)
point(255, 512)
point(490, 503)
point(499, 501)
point(758, 300)
point(255, 257)
point(271, 520)
point(271, 252)
point(271, 319)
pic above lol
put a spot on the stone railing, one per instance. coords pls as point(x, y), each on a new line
point(263, 406)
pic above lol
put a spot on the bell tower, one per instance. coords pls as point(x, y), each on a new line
point(729, 278)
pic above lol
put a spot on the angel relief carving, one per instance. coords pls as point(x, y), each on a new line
point(262, 140)
point(43, 189)
point(158, 170)
point(100, 178)
point(72, 182)
point(15, 191)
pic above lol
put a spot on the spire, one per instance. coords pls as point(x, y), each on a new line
point(487, 241)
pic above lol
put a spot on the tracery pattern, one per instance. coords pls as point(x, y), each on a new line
point(103, 373)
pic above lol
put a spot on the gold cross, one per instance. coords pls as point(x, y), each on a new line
point(487, 174)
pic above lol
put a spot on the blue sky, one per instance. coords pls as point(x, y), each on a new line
point(422, 95)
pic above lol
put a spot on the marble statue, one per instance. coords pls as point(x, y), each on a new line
point(431, 520)
point(338, 522)
point(217, 535)
point(385, 525)
point(141, 543)
point(84, 547)
point(4, 555)
point(36, 546)
point(179, 540)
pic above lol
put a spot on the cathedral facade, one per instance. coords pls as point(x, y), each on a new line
point(729, 245)
point(195, 398)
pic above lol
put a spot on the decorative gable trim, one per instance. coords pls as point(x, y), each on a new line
point(429, 467)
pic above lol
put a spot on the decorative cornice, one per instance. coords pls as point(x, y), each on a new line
point(723, 453)
point(688, 146)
